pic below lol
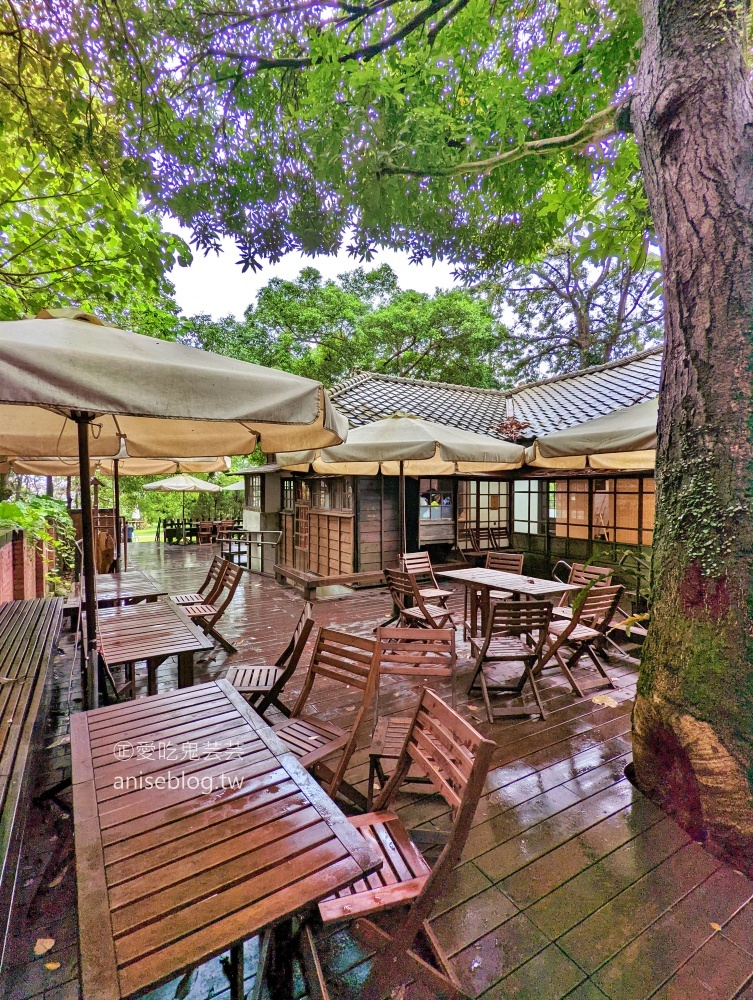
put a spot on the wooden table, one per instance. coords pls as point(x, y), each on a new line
point(171, 877)
point(127, 588)
point(150, 632)
point(482, 580)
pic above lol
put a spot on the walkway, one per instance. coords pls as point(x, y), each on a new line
point(572, 884)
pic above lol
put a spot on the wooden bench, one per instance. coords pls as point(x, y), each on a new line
point(28, 639)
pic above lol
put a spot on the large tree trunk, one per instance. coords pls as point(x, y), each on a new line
point(693, 722)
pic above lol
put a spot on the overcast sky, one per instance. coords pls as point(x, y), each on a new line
point(215, 284)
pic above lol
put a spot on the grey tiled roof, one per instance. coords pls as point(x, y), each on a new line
point(547, 406)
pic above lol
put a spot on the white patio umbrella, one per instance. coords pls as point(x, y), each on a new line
point(123, 465)
point(70, 386)
point(403, 445)
point(183, 484)
point(624, 439)
point(240, 485)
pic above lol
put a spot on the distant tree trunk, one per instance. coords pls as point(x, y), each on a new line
point(693, 721)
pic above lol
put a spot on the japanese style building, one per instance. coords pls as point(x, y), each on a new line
point(344, 529)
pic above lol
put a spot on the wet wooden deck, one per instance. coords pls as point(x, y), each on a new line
point(572, 884)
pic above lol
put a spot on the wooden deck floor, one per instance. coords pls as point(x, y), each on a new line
point(572, 884)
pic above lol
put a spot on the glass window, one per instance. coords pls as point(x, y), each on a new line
point(253, 500)
point(434, 500)
point(320, 498)
point(568, 508)
point(288, 494)
point(526, 513)
point(332, 494)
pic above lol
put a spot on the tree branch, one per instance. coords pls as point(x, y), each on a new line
point(599, 126)
point(365, 52)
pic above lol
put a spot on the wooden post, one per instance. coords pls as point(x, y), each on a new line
point(89, 677)
point(402, 507)
point(118, 526)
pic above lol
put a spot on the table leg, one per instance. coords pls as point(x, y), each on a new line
point(185, 670)
point(236, 972)
point(280, 976)
point(151, 677)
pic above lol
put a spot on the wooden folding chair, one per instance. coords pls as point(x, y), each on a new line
point(592, 613)
point(455, 758)
point(485, 538)
point(261, 684)
point(516, 632)
point(418, 564)
point(412, 608)
point(349, 660)
point(208, 589)
point(204, 533)
point(208, 614)
point(583, 576)
point(413, 653)
point(500, 536)
point(503, 562)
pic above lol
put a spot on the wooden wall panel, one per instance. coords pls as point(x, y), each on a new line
point(331, 543)
point(378, 522)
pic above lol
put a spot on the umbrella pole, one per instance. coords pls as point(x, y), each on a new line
point(184, 517)
point(118, 527)
point(402, 508)
point(89, 671)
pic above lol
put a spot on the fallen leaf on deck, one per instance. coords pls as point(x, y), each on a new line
point(606, 700)
point(58, 878)
point(58, 742)
point(398, 993)
point(43, 945)
point(350, 708)
point(184, 986)
point(717, 927)
point(52, 966)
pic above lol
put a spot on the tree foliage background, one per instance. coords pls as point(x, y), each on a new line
point(480, 133)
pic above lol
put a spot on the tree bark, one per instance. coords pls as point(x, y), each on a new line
point(692, 113)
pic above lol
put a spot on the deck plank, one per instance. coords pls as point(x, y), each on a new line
point(566, 863)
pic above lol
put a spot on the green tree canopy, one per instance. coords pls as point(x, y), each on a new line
point(442, 126)
point(565, 312)
point(325, 329)
point(75, 230)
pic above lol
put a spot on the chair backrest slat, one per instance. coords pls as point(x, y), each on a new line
point(213, 580)
point(505, 562)
point(225, 590)
point(406, 593)
point(415, 651)
point(598, 607)
point(527, 620)
point(580, 573)
point(417, 564)
point(337, 656)
point(299, 638)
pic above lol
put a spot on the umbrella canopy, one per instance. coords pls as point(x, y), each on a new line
point(240, 485)
point(106, 466)
point(422, 447)
point(164, 398)
point(624, 439)
point(182, 484)
point(70, 386)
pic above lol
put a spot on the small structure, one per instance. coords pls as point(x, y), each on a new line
point(261, 515)
point(345, 529)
